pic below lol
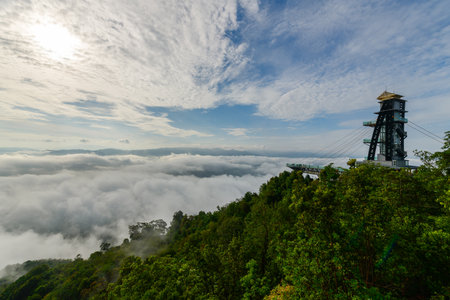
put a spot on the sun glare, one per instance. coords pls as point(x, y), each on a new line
point(55, 40)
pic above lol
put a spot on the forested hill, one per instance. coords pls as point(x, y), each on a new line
point(371, 232)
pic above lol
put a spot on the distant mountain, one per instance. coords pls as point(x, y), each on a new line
point(183, 150)
point(13, 149)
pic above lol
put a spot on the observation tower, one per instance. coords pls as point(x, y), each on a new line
point(389, 132)
point(388, 136)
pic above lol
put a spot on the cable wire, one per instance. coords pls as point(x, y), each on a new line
point(338, 143)
point(349, 145)
point(421, 129)
point(343, 142)
point(356, 150)
point(431, 137)
point(425, 130)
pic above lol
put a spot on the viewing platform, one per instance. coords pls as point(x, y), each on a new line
point(310, 169)
point(370, 123)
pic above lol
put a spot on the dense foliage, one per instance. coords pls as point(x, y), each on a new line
point(370, 232)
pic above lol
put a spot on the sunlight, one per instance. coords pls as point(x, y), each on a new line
point(56, 40)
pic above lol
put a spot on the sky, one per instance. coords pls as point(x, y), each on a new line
point(274, 75)
point(228, 91)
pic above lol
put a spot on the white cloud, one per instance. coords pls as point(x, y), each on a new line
point(134, 55)
point(72, 202)
point(337, 56)
point(29, 245)
point(251, 6)
point(320, 59)
point(237, 131)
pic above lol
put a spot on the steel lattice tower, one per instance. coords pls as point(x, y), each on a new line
point(389, 131)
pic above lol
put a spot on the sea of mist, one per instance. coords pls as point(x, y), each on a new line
point(64, 204)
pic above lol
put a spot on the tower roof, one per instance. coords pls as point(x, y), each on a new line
point(387, 96)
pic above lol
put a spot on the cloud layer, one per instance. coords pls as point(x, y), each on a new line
point(68, 204)
point(58, 206)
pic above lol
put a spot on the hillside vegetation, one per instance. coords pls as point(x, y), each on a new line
point(370, 232)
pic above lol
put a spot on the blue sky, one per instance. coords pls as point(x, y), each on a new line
point(272, 75)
